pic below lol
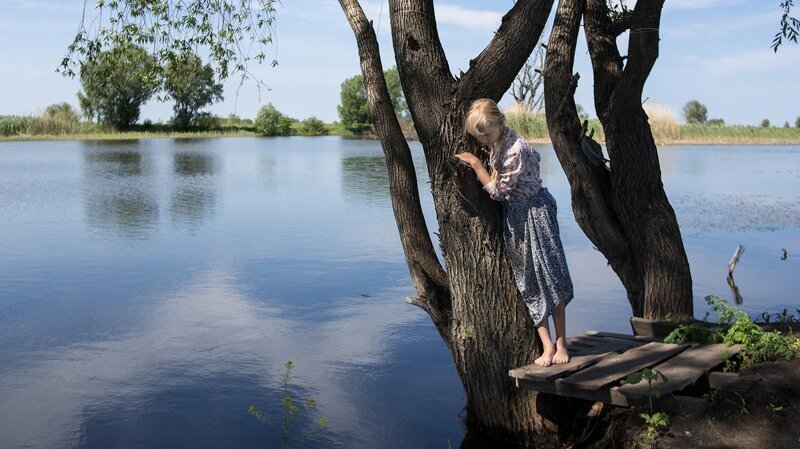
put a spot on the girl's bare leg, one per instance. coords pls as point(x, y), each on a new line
point(561, 355)
point(546, 359)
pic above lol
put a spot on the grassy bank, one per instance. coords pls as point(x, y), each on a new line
point(31, 128)
point(667, 130)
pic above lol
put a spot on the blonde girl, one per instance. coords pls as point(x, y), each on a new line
point(530, 226)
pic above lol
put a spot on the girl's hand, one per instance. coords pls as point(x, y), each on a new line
point(469, 158)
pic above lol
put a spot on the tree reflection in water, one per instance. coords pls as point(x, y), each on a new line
point(117, 194)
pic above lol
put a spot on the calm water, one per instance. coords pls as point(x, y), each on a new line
point(150, 291)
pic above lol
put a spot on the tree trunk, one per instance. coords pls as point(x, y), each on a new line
point(624, 211)
point(476, 307)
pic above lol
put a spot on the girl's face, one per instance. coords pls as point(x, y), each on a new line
point(490, 139)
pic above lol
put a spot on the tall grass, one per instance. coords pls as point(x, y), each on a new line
point(738, 134)
point(663, 122)
point(531, 125)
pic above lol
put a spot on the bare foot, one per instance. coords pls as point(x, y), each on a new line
point(561, 356)
point(546, 359)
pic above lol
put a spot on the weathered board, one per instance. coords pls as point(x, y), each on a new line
point(682, 370)
point(617, 366)
point(584, 351)
point(600, 361)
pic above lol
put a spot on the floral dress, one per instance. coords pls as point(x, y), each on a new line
point(530, 227)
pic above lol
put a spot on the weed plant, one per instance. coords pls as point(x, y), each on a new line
point(734, 327)
point(291, 414)
point(656, 422)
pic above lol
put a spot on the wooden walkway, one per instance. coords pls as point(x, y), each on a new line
point(600, 362)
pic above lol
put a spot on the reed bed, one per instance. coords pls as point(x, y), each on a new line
point(663, 122)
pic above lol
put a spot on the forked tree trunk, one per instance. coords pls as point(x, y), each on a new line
point(475, 305)
point(624, 211)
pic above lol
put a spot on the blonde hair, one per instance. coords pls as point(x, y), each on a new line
point(484, 117)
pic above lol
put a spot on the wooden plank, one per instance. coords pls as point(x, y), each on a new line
point(615, 367)
point(580, 357)
point(682, 370)
point(622, 336)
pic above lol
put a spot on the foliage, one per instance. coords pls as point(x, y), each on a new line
point(765, 123)
point(789, 26)
point(206, 121)
point(60, 118)
point(228, 30)
point(14, 125)
point(695, 112)
point(399, 104)
point(736, 327)
point(715, 122)
point(354, 110)
point(797, 122)
point(656, 421)
point(290, 414)
point(313, 126)
point(191, 85)
point(117, 83)
point(738, 134)
point(272, 122)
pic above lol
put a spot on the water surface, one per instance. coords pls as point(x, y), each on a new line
point(151, 290)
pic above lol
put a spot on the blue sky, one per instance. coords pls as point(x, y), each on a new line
point(715, 51)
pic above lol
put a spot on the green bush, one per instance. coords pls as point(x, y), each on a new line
point(313, 126)
point(272, 122)
point(797, 122)
point(716, 122)
point(765, 123)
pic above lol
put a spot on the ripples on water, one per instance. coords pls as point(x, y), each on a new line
point(150, 291)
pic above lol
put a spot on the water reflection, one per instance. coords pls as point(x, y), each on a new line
point(117, 195)
point(193, 197)
point(365, 179)
point(227, 348)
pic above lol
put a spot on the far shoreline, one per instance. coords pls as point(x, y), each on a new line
point(221, 134)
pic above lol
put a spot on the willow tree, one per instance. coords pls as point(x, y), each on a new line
point(474, 303)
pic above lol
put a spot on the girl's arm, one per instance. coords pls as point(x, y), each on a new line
point(480, 172)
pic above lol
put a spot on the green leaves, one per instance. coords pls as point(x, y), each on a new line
point(192, 85)
point(789, 26)
point(116, 84)
point(227, 29)
point(272, 122)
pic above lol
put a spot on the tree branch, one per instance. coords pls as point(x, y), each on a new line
point(606, 60)
point(421, 62)
point(589, 185)
point(493, 70)
point(430, 279)
point(642, 47)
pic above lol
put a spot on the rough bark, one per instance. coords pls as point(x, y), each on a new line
point(429, 278)
point(487, 326)
point(624, 211)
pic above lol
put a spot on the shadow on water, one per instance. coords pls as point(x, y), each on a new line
point(117, 195)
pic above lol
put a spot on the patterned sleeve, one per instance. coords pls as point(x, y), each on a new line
point(505, 180)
